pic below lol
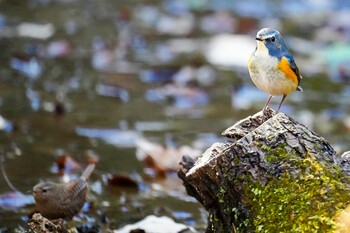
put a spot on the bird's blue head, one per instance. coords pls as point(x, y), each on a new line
point(271, 40)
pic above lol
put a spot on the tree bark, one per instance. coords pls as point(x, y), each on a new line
point(246, 184)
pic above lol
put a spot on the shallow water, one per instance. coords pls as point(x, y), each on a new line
point(111, 74)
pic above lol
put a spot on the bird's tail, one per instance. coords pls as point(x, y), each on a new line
point(88, 171)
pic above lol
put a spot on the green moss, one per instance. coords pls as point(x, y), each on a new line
point(278, 154)
point(304, 200)
point(221, 195)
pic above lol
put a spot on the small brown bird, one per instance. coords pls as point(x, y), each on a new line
point(62, 200)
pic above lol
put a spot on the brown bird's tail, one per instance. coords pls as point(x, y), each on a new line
point(88, 171)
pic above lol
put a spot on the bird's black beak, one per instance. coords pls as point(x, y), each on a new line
point(259, 39)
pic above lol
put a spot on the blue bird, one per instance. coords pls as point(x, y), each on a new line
point(272, 68)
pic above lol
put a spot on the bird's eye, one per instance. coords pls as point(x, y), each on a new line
point(44, 190)
point(273, 39)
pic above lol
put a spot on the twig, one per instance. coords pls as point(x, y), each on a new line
point(12, 187)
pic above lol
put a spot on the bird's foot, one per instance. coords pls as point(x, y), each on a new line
point(267, 113)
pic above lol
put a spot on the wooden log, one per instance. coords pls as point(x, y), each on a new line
point(270, 176)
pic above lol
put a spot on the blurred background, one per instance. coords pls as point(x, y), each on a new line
point(134, 85)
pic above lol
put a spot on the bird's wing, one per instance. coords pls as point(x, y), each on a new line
point(73, 190)
point(77, 187)
point(293, 66)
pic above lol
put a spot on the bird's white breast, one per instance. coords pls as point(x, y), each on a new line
point(264, 72)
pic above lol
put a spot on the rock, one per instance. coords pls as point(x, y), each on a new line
point(154, 224)
point(36, 31)
point(271, 175)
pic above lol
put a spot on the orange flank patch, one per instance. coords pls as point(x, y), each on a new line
point(288, 72)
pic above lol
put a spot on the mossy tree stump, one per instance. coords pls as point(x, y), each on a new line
point(275, 176)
